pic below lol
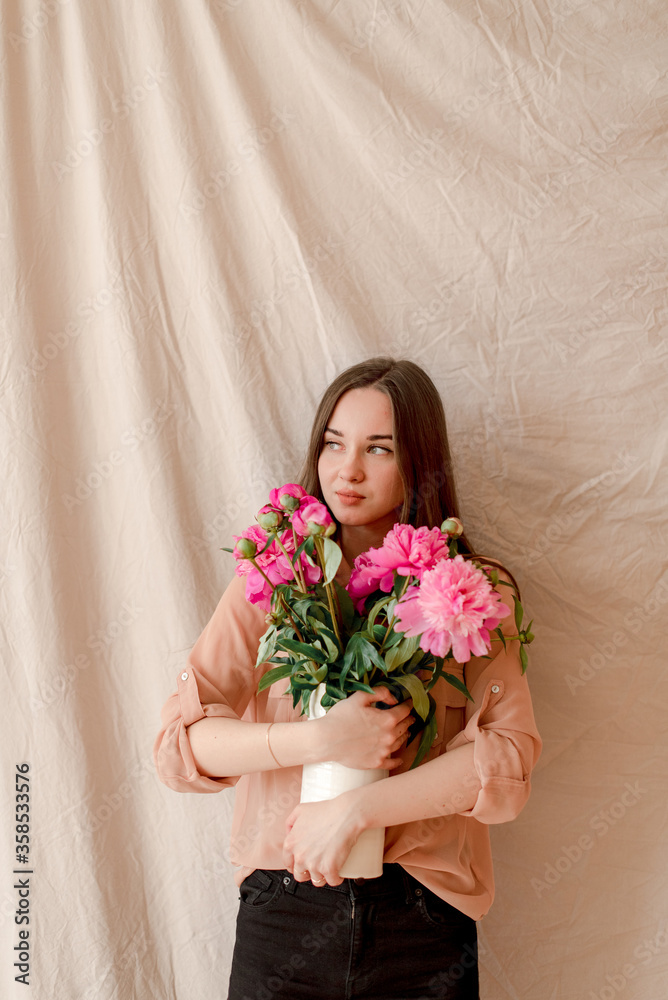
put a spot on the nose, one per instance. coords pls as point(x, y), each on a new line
point(351, 470)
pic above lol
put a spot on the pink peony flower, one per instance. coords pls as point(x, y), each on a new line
point(407, 550)
point(313, 518)
point(454, 607)
point(273, 562)
point(410, 551)
point(290, 490)
point(365, 578)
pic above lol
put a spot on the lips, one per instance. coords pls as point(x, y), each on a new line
point(348, 498)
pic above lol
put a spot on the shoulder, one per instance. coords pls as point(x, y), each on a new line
point(234, 614)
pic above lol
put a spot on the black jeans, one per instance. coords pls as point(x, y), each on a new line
point(388, 938)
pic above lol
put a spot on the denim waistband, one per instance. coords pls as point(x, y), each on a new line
point(394, 881)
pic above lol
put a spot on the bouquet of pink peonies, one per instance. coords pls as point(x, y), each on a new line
point(409, 606)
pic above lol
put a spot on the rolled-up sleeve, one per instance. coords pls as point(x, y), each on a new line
point(500, 723)
point(218, 679)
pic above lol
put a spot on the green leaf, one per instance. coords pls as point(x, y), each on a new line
point(273, 675)
point(518, 613)
point(346, 605)
point(375, 610)
point(523, 658)
point(415, 661)
point(312, 652)
point(378, 633)
point(317, 613)
point(426, 740)
point(416, 690)
point(499, 632)
point(403, 652)
point(437, 672)
point(358, 686)
point(393, 639)
point(399, 582)
point(223, 548)
point(350, 653)
point(456, 683)
point(374, 656)
point(362, 660)
point(333, 555)
point(309, 545)
point(267, 645)
point(333, 692)
point(302, 608)
point(333, 651)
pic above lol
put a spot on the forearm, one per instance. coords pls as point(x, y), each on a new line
point(440, 787)
point(353, 732)
point(229, 747)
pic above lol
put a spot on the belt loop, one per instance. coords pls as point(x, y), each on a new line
point(289, 882)
point(408, 886)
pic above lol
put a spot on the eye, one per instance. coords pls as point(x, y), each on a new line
point(331, 445)
point(378, 449)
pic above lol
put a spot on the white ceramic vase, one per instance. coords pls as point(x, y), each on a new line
point(329, 779)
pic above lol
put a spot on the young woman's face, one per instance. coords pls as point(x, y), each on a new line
point(358, 471)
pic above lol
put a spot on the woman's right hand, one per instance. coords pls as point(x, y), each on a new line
point(356, 734)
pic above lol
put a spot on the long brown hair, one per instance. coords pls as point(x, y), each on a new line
point(420, 441)
point(420, 438)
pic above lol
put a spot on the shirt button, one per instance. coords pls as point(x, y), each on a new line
point(495, 688)
point(418, 892)
point(184, 676)
point(286, 880)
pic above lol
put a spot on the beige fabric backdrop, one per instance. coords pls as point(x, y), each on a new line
point(209, 209)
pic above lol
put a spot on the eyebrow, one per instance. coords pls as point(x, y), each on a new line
point(371, 437)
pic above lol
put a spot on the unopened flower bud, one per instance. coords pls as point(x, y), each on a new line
point(288, 503)
point(246, 548)
point(453, 527)
point(270, 519)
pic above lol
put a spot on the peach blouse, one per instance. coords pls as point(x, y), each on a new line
point(449, 854)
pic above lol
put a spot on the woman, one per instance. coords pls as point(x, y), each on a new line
point(378, 454)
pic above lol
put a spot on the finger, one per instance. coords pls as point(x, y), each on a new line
point(401, 711)
point(399, 742)
point(401, 737)
point(393, 762)
point(383, 694)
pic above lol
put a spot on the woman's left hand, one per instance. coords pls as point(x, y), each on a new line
point(320, 836)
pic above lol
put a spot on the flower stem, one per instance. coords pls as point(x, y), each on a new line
point(296, 568)
point(328, 590)
point(262, 573)
point(289, 616)
point(392, 619)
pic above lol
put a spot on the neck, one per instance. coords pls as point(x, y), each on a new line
point(357, 538)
